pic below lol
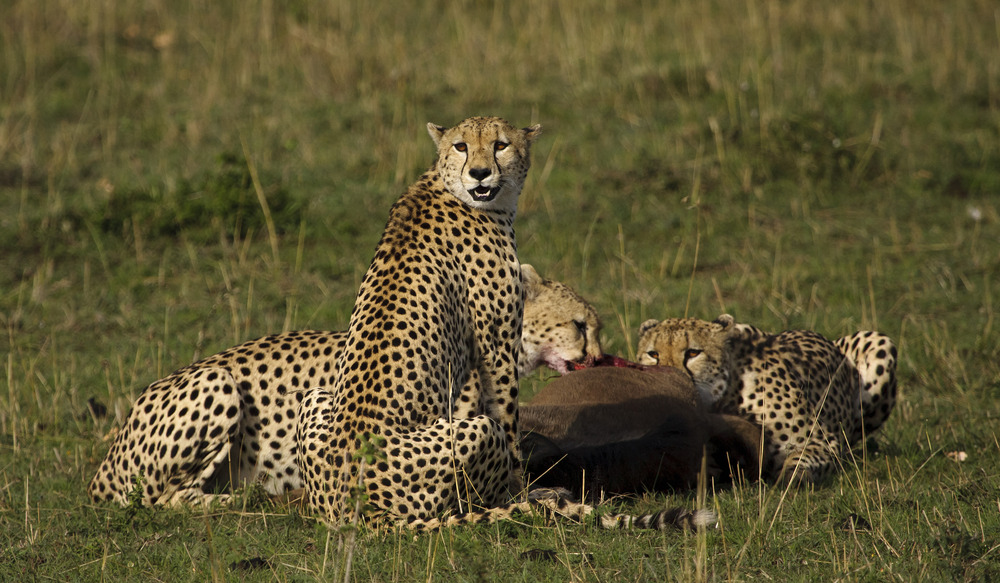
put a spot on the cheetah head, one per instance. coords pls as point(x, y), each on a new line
point(697, 347)
point(560, 327)
point(483, 160)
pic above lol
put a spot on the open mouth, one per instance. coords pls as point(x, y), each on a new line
point(559, 365)
point(483, 193)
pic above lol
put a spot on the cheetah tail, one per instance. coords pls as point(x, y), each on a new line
point(556, 502)
point(682, 518)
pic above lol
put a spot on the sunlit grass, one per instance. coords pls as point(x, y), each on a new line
point(799, 165)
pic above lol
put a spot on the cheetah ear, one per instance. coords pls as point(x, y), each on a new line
point(531, 280)
point(532, 132)
point(436, 132)
point(725, 320)
point(646, 326)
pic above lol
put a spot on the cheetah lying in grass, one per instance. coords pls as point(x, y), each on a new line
point(814, 398)
point(230, 418)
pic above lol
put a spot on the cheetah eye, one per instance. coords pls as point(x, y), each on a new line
point(654, 355)
point(581, 327)
point(500, 146)
point(461, 146)
point(691, 353)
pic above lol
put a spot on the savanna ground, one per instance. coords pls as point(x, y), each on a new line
point(180, 176)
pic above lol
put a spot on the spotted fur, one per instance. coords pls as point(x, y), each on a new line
point(230, 418)
point(572, 337)
point(428, 371)
point(874, 355)
point(806, 392)
point(429, 366)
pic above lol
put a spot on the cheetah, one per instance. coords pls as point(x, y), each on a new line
point(572, 338)
point(813, 398)
point(422, 418)
point(230, 419)
point(429, 364)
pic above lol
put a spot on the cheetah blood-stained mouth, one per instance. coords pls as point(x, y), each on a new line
point(484, 193)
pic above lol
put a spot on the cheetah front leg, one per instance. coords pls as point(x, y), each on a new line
point(451, 465)
point(500, 390)
point(810, 463)
point(473, 400)
point(315, 451)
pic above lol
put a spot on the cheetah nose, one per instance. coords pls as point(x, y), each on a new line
point(479, 173)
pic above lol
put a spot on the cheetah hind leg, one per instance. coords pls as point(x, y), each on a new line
point(194, 458)
point(874, 355)
point(210, 462)
point(417, 473)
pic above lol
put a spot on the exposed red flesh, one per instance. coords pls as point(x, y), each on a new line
point(608, 360)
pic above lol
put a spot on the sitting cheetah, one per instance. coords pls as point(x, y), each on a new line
point(428, 371)
point(812, 399)
point(428, 366)
point(230, 418)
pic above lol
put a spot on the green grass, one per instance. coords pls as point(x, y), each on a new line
point(798, 164)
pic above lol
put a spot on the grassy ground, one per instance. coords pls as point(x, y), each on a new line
point(798, 164)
